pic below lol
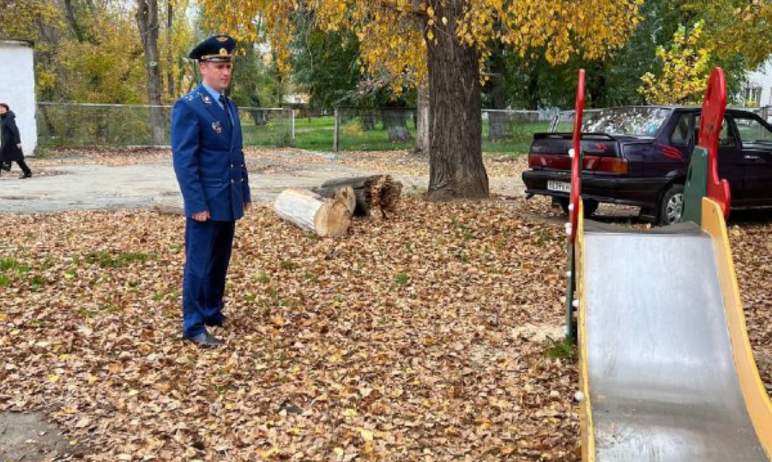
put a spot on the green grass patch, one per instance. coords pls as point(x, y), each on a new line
point(262, 278)
point(106, 259)
point(318, 133)
point(309, 276)
point(402, 279)
point(40, 323)
point(561, 349)
point(37, 281)
point(87, 313)
point(111, 308)
point(10, 265)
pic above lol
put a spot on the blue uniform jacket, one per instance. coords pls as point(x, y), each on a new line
point(208, 157)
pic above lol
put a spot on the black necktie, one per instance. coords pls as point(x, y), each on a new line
point(226, 106)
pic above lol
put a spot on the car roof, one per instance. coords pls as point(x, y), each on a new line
point(730, 110)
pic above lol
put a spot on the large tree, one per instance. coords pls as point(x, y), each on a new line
point(736, 27)
point(23, 19)
point(446, 41)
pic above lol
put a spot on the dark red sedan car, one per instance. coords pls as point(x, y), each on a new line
point(639, 156)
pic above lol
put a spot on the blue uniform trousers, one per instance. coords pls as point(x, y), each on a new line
point(208, 251)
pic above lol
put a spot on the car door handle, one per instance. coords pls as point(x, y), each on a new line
point(751, 157)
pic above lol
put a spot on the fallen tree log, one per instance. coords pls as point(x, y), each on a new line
point(312, 212)
point(377, 196)
point(348, 197)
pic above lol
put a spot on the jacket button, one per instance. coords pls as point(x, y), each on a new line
point(231, 165)
point(232, 181)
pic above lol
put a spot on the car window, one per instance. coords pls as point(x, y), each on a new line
point(725, 138)
point(631, 121)
point(752, 131)
point(680, 135)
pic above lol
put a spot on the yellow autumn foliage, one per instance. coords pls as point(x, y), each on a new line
point(394, 34)
point(736, 28)
point(684, 72)
point(20, 19)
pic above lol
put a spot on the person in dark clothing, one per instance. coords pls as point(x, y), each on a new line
point(10, 142)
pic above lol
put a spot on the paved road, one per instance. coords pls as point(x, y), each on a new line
point(81, 184)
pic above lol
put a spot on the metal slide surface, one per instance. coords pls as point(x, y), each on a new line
point(659, 362)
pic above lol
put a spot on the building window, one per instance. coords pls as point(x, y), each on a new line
point(753, 96)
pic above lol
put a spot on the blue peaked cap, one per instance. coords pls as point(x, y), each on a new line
point(217, 48)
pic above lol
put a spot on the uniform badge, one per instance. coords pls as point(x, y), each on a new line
point(222, 39)
point(207, 100)
point(217, 126)
point(223, 51)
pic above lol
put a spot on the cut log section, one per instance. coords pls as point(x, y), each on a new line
point(347, 196)
point(312, 212)
point(377, 196)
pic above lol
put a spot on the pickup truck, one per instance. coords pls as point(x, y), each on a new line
point(639, 156)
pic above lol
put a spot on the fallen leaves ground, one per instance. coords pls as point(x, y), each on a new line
point(419, 338)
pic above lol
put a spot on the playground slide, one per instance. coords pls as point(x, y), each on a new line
point(667, 371)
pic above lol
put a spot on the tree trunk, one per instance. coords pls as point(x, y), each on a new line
point(169, 47)
point(147, 21)
point(72, 21)
point(50, 128)
point(422, 140)
point(456, 169)
point(533, 89)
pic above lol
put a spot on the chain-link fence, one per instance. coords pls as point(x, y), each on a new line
point(62, 125)
point(345, 129)
point(358, 129)
point(508, 131)
point(511, 131)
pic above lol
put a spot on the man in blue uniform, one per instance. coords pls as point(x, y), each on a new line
point(209, 164)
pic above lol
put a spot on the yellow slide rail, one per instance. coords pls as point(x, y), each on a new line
point(585, 405)
point(757, 400)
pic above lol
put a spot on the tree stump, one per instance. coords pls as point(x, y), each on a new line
point(312, 212)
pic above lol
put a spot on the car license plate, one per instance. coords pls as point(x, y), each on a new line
point(559, 186)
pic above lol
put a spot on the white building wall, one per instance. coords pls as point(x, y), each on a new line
point(17, 89)
point(762, 78)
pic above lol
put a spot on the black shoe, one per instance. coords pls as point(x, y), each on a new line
point(7, 167)
point(224, 323)
point(25, 176)
point(206, 340)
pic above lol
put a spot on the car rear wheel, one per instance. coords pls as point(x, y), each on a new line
point(590, 205)
point(671, 207)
